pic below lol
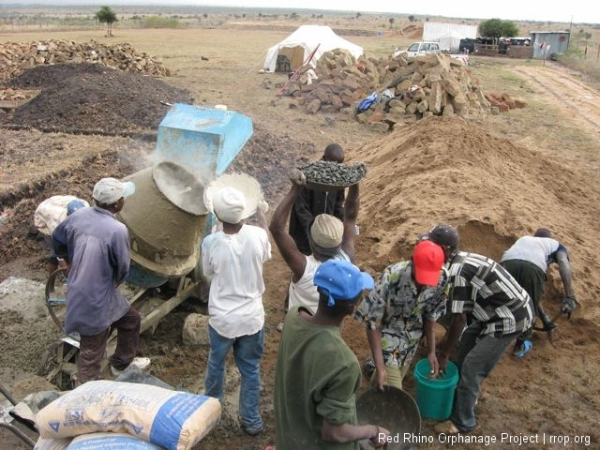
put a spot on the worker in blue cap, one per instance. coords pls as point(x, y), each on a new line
point(317, 374)
point(49, 214)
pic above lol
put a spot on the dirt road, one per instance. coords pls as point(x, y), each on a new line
point(566, 91)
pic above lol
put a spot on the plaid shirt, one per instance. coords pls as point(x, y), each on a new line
point(486, 292)
point(398, 308)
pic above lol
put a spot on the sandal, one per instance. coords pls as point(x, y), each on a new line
point(521, 350)
point(446, 427)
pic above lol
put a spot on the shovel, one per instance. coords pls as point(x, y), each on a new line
point(549, 331)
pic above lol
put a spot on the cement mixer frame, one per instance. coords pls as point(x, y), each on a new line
point(166, 220)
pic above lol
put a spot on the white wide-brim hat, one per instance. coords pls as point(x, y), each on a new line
point(244, 183)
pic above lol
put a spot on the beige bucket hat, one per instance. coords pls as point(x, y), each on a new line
point(244, 183)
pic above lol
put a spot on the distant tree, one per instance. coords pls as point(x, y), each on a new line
point(205, 15)
point(412, 18)
point(495, 28)
point(358, 15)
point(107, 16)
point(391, 20)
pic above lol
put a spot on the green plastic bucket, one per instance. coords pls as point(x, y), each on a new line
point(435, 396)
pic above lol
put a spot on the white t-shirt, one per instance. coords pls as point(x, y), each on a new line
point(540, 251)
point(304, 292)
point(235, 263)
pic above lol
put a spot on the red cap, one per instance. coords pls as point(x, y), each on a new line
point(428, 259)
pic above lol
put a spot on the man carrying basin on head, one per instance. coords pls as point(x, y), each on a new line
point(309, 203)
point(233, 259)
point(317, 374)
point(95, 246)
point(408, 299)
point(329, 238)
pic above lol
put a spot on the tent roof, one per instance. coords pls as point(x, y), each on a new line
point(309, 36)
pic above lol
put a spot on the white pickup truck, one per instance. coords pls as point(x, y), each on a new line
point(424, 47)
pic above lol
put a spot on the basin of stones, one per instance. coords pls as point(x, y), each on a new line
point(331, 176)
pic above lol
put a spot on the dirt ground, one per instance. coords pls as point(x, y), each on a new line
point(495, 179)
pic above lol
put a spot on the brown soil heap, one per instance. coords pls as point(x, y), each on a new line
point(92, 98)
point(446, 170)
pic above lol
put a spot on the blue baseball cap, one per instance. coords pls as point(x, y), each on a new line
point(74, 205)
point(341, 280)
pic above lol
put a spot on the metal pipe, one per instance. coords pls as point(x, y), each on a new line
point(18, 433)
point(7, 395)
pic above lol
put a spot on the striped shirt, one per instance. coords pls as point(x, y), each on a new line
point(486, 292)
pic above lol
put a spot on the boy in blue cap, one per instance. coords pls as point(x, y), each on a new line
point(317, 374)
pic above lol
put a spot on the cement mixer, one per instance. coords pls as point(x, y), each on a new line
point(166, 219)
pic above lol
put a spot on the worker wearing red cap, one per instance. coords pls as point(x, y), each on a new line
point(407, 301)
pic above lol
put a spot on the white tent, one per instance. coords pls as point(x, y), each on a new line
point(297, 47)
point(450, 41)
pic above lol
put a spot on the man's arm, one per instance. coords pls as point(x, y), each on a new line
point(564, 269)
point(341, 434)
point(59, 241)
point(374, 338)
point(429, 328)
point(338, 209)
point(351, 207)
point(122, 256)
point(457, 325)
point(285, 243)
point(261, 215)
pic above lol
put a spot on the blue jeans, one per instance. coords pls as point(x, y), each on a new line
point(247, 351)
point(477, 356)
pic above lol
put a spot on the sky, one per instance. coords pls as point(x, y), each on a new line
point(577, 11)
point(550, 10)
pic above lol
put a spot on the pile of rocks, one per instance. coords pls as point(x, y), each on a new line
point(503, 102)
point(405, 89)
point(17, 57)
point(16, 95)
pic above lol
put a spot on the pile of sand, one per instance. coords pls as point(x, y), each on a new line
point(445, 170)
point(92, 98)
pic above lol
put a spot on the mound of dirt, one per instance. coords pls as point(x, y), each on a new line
point(445, 170)
point(92, 98)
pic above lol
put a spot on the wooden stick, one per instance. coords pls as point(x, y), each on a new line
point(297, 71)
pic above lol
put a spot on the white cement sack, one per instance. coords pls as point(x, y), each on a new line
point(52, 444)
point(173, 420)
point(110, 441)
